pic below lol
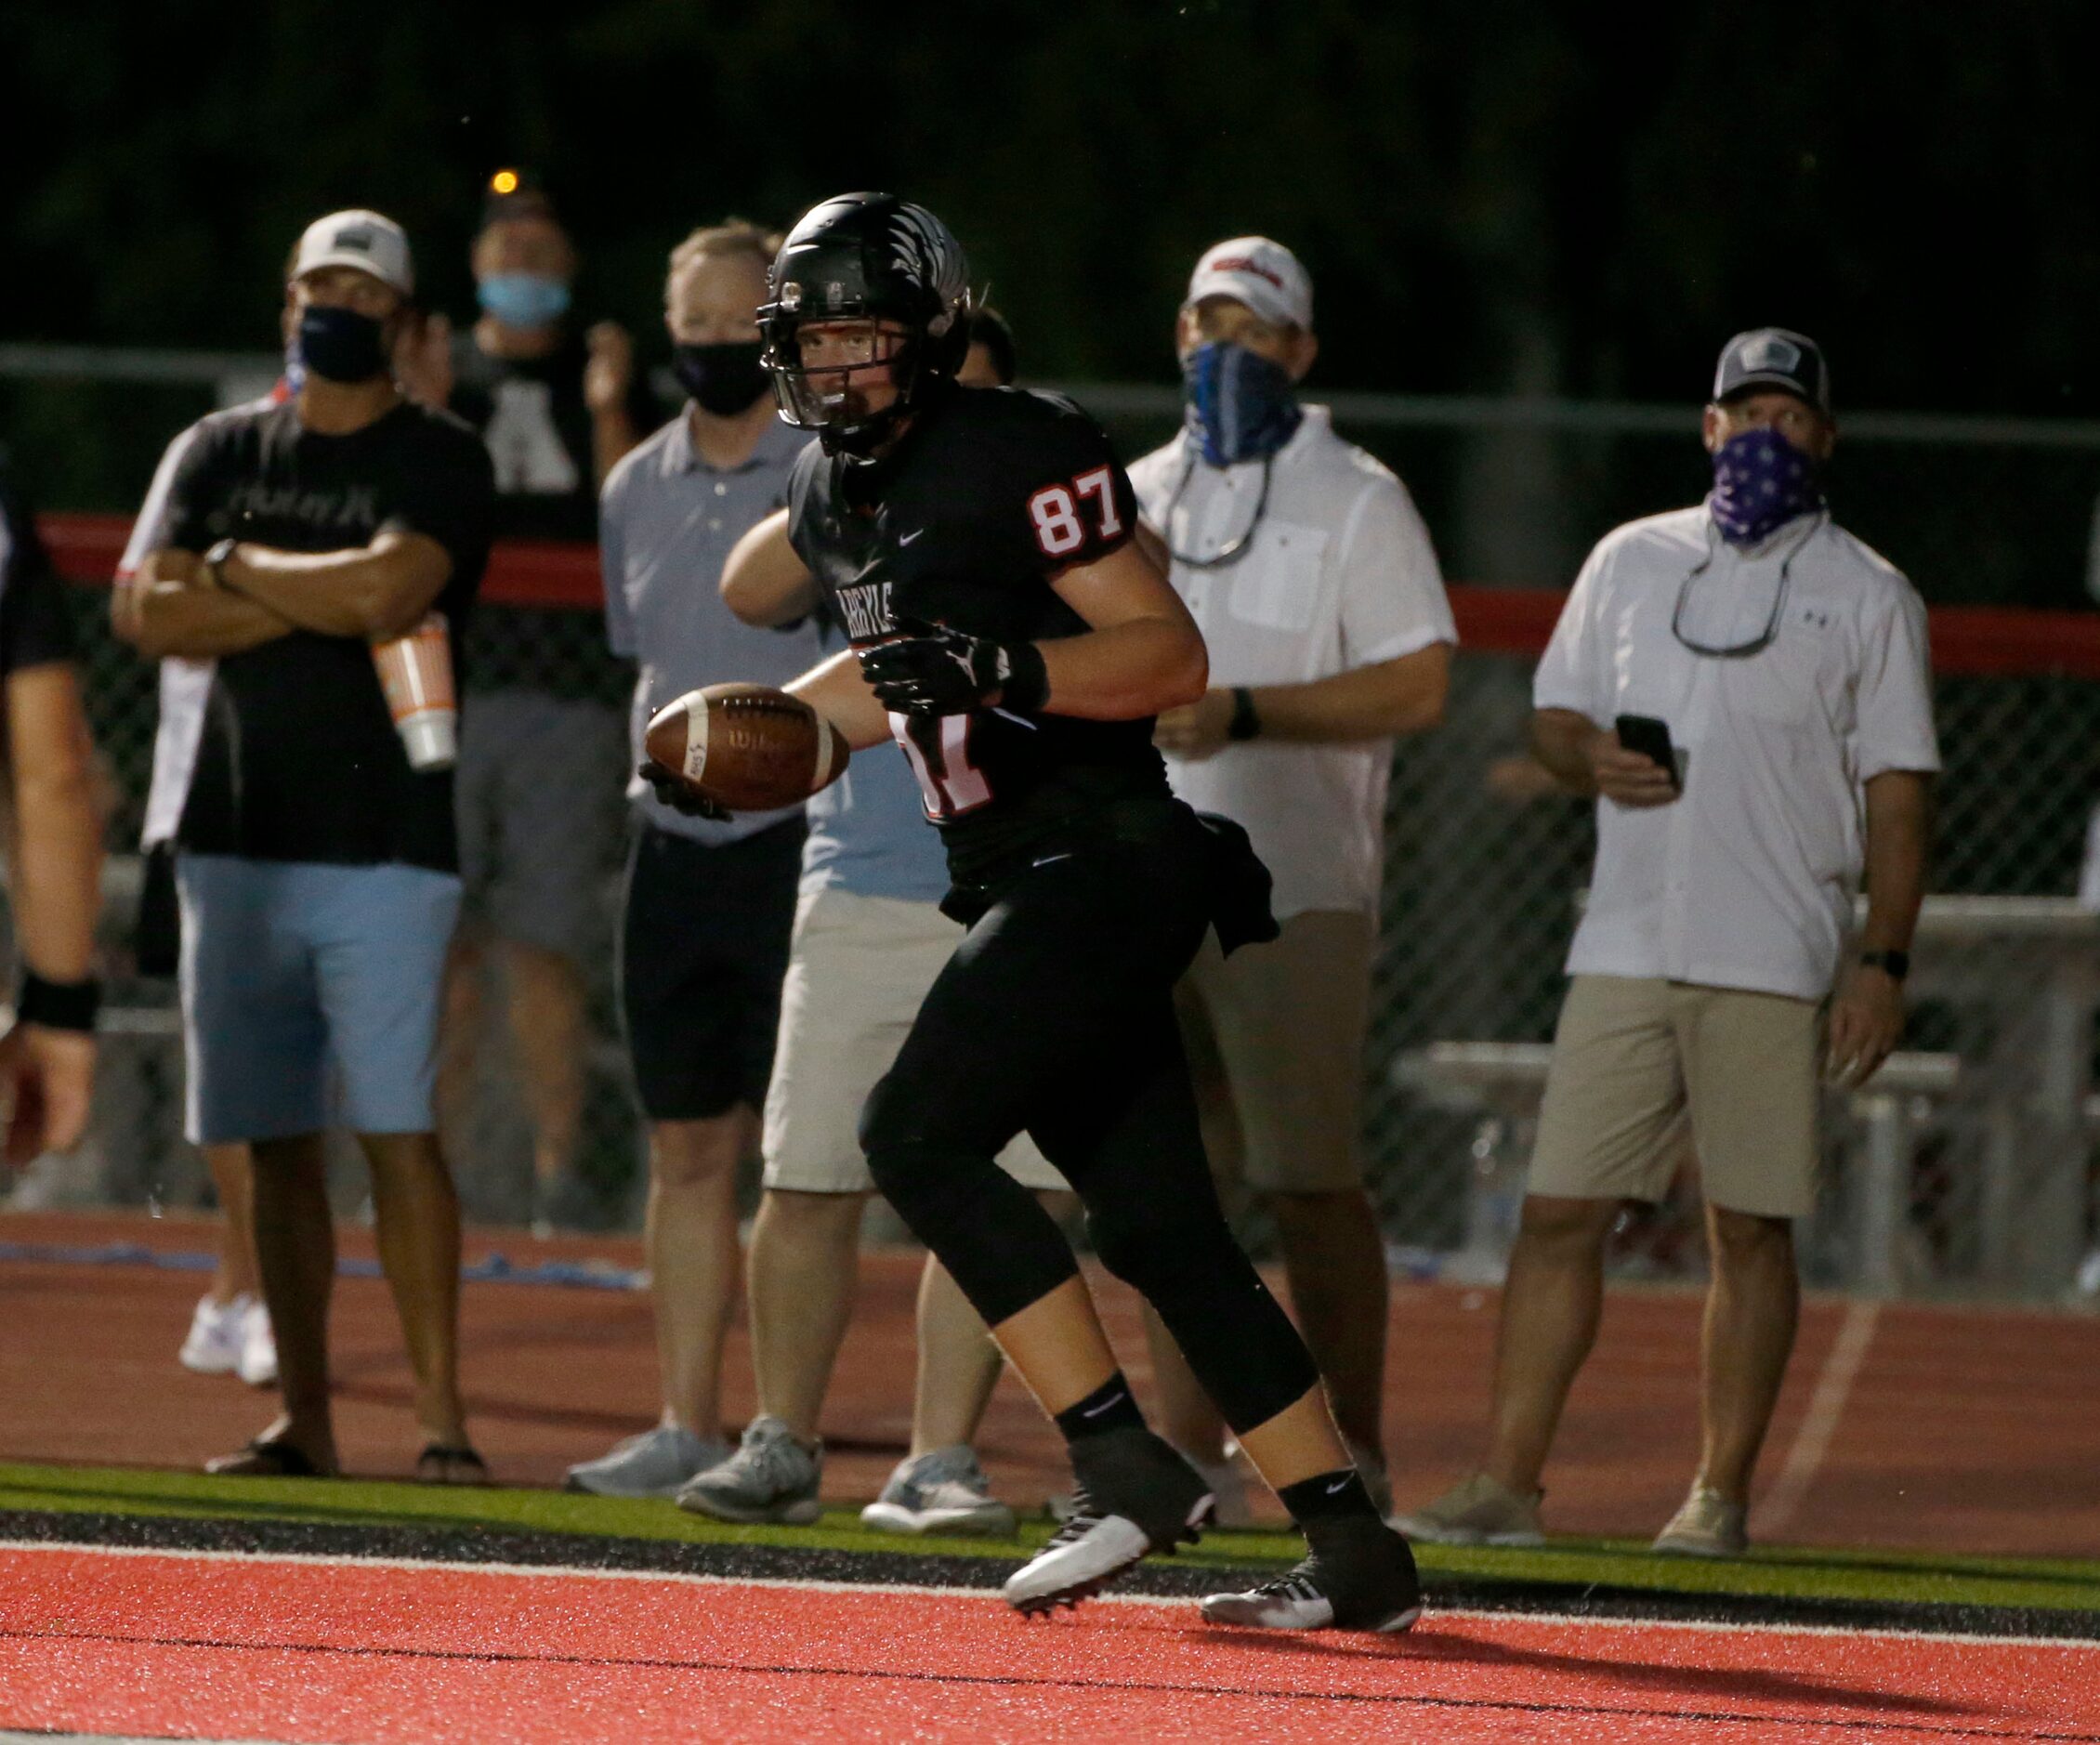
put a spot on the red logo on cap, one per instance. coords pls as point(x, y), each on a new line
point(1246, 262)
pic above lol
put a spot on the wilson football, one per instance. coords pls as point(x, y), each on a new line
point(746, 747)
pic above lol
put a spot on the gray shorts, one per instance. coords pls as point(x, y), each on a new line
point(539, 798)
point(295, 974)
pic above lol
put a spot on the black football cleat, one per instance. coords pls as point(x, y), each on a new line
point(1135, 1496)
point(1360, 1576)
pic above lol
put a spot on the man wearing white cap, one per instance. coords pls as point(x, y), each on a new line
point(1318, 592)
point(317, 865)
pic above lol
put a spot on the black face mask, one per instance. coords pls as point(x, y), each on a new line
point(339, 345)
point(725, 379)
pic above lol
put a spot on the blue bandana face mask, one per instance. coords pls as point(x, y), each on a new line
point(1760, 482)
point(523, 299)
point(1241, 407)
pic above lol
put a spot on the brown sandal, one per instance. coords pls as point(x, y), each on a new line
point(440, 1464)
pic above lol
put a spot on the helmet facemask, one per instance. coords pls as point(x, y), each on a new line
point(825, 397)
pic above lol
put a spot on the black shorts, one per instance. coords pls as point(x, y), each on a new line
point(704, 947)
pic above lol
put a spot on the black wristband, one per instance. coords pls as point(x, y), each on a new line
point(58, 1006)
point(1027, 684)
point(1245, 723)
point(1894, 965)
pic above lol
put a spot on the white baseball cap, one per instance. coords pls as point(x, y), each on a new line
point(1264, 275)
point(364, 240)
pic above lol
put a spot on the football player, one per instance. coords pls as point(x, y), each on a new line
point(976, 544)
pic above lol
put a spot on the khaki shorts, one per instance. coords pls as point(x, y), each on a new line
point(858, 969)
point(1646, 1072)
point(1282, 1023)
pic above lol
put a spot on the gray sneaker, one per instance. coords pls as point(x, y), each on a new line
point(944, 1492)
point(1477, 1511)
point(1707, 1525)
point(652, 1465)
point(770, 1479)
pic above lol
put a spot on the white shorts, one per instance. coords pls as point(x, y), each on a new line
point(858, 969)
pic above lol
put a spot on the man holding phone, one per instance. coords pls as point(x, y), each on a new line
point(1745, 690)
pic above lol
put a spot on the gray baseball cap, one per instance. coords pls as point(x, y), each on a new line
point(358, 238)
point(1774, 357)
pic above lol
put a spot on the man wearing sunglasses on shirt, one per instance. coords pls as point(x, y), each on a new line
point(1779, 669)
point(1312, 578)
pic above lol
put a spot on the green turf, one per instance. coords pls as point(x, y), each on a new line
point(1784, 1573)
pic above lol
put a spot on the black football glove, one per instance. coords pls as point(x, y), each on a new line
point(932, 669)
point(677, 794)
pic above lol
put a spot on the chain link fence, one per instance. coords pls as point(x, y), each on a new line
point(1970, 1175)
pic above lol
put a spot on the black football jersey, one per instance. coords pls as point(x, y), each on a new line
point(992, 493)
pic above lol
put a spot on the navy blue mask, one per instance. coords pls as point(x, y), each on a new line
point(725, 378)
point(1240, 406)
point(339, 345)
point(1760, 482)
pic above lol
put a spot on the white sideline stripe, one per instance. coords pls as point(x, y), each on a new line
point(8, 1738)
point(802, 1584)
point(1819, 1424)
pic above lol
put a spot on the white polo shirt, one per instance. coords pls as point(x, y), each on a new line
point(1340, 574)
point(1747, 879)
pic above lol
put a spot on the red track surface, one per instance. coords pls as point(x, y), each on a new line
point(190, 1646)
point(1966, 1430)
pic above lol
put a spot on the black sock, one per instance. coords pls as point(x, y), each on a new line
point(1336, 1496)
point(1110, 1407)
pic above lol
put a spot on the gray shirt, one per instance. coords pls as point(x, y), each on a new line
point(666, 523)
point(869, 833)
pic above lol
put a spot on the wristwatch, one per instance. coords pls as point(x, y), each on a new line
point(1894, 965)
point(1245, 724)
point(214, 558)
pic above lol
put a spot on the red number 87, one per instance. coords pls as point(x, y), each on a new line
point(1055, 511)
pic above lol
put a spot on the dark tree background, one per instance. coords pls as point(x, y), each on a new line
point(1493, 197)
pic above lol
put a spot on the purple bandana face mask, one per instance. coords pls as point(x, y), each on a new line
point(1760, 482)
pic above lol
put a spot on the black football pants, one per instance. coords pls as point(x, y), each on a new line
point(1054, 1015)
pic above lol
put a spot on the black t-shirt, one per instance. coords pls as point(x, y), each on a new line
point(299, 760)
point(532, 413)
point(992, 493)
point(36, 626)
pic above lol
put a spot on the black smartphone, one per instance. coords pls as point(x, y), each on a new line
point(1644, 734)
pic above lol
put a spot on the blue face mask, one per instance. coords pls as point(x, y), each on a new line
point(1760, 482)
point(1241, 407)
point(524, 299)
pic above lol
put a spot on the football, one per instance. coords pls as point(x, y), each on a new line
point(749, 748)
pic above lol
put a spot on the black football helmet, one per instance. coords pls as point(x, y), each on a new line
point(866, 256)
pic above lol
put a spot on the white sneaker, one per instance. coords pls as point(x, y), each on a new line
point(257, 1366)
point(942, 1491)
point(217, 1330)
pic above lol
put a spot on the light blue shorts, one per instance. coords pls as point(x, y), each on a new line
point(294, 975)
